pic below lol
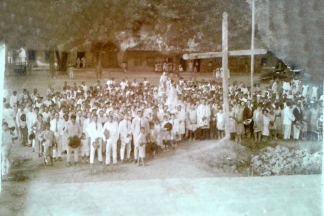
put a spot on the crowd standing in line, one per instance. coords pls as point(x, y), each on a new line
point(132, 116)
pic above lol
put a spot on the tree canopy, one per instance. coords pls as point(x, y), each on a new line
point(68, 23)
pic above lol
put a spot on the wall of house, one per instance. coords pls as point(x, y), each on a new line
point(239, 63)
point(143, 60)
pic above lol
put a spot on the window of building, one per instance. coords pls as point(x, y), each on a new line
point(31, 55)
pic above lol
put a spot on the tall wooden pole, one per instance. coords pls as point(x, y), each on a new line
point(2, 74)
point(225, 71)
point(252, 49)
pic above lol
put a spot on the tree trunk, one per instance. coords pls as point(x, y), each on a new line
point(51, 62)
point(64, 59)
point(99, 67)
point(58, 58)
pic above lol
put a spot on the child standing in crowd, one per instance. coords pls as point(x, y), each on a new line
point(85, 148)
point(166, 128)
point(141, 140)
point(152, 140)
point(23, 130)
point(192, 121)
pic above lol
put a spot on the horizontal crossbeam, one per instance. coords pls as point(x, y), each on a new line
point(219, 54)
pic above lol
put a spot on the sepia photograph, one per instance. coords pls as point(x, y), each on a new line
point(161, 107)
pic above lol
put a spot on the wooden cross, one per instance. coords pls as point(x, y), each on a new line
point(224, 54)
point(220, 54)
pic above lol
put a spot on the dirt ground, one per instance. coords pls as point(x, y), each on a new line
point(199, 159)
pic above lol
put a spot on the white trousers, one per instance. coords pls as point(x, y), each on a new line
point(93, 151)
point(85, 149)
point(5, 164)
point(75, 152)
point(57, 152)
point(287, 131)
point(296, 132)
point(125, 146)
point(111, 149)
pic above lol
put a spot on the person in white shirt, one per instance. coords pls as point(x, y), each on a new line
point(31, 118)
point(203, 118)
point(14, 101)
point(74, 132)
point(123, 84)
point(288, 118)
point(163, 80)
point(180, 115)
point(138, 122)
point(84, 87)
point(141, 140)
point(145, 82)
point(191, 121)
point(125, 134)
point(57, 150)
point(110, 137)
point(94, 131)
point(134, 83)
point(63, 130)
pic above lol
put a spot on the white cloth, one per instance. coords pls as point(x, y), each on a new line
point(203, 111)
point(288, 116)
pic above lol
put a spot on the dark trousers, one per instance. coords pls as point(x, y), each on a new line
point(24, 135)
point(203, 133)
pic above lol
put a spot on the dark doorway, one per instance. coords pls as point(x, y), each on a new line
point(109, 57)
point(264, 62)
point(31, 55)
point(196, 65)
point(80, 55)
point(183, 64)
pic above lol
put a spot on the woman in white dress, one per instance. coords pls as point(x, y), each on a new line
point(258, 123)
point(266, 122)
point(192, 121)
point(181, 117)
point(172, 98)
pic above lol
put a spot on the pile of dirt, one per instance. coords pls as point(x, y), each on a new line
point(228, 156)
point(284, 161)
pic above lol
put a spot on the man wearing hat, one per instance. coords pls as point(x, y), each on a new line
point(298, 113)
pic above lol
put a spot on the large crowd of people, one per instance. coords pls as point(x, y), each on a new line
point(119, 118)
